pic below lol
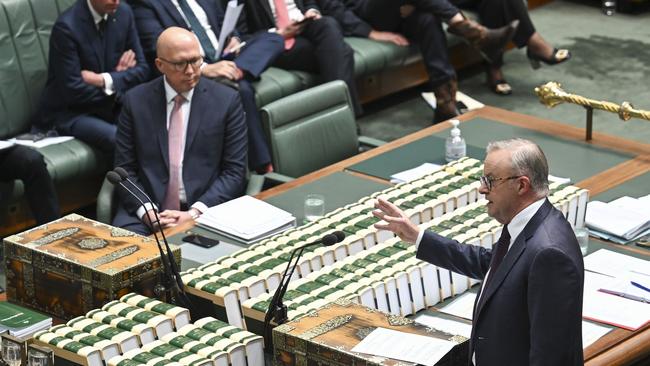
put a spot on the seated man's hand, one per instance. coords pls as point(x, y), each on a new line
point(313, 13)
point(406, 10)
point(291, 30)
point(127, 61)
point(396, 221)
point(225, 69)
point(232, 44)
point(176, 217)
point(92, 78)
point(395, 38)
point(149, 219)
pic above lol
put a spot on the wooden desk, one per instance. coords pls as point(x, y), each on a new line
point(619, 347)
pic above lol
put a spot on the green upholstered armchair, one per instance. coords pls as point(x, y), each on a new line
point(311, 129)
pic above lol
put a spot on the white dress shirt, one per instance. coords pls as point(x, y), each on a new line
point(294, 13)
point(203, 19)
point(170, 94)
point(108, 79)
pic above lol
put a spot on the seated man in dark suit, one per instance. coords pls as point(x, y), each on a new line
point(529, 307)
point(95, 56)
point(26, 164)
point(205, 18)
point(181, 137)
point(313, 43)
point(420, 21)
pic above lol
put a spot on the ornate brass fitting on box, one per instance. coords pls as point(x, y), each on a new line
point(552, 94)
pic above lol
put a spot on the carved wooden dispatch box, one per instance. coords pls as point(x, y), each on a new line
point(73, 265)
point(326, 337)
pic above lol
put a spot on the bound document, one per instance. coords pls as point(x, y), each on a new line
point(246, 219)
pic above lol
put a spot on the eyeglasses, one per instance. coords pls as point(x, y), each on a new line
point(488, 182)
point(182, 65)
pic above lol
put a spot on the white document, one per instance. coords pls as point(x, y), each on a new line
point(470, 102)
point(5, 144)
point(404, 346)
point(625, 285)
point(591, 332)
point(462, 307)
point(229, 22)
point(414, 173)
point(42, 143)
point(615, 264)
point(450, 326)
point(246, 218)
point(615, 220)
point(611, 309)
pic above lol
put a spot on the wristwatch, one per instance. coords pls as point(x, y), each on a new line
point(194, 213)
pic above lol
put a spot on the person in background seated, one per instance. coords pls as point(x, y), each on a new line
point(312, 42)
point(26, 164)
point(496, 13)
point(400, 22)
point(529, 307)
point(185, 146)
point(239, 67)
point(95, 56)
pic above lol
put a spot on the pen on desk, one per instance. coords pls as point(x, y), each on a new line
point(636, 284)
point(626, 296)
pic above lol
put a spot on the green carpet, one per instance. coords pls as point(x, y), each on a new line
point(610, 62)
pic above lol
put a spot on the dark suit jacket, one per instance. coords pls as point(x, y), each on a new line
point(531, 311)
point(259, 17)
point(214, 162)
point(154, 16)
point(75, 45)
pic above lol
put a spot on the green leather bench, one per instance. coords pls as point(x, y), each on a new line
point(77, 169)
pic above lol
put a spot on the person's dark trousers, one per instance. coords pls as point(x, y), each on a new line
point(320, 49)
point(422, 27)
point(258, 150)
point(385, 15)
point(26, 164)
point(498, 13)
point(92, 130)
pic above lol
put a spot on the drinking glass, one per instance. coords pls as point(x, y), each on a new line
point(11, 353)
point(36, 358)
point(314, 207)
point(582, 234)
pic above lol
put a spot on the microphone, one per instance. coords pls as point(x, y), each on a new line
point(124, 175)
point(277, 310)
point(117, 177)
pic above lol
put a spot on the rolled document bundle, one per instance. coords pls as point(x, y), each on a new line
point(162, 324)
point(180, 316)
point(125, 339)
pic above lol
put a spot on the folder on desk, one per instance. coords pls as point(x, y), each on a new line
point(246, 219)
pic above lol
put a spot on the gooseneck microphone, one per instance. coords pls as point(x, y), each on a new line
point(277, 310)
point(171, 273)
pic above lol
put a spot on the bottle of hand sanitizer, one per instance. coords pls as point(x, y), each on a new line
point(455, 147)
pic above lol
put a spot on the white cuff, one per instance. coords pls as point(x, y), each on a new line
point(419, 239)
point(108, 83)
point(200, 206)
point(144, 209)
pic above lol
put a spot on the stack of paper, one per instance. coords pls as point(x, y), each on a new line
point(621, 220)
point(246, 219)
point(22, 322)
point(415, 173)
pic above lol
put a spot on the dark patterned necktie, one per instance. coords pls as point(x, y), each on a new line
point(498, 253)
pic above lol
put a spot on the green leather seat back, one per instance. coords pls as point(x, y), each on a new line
point(311, 129)
point(25, 27)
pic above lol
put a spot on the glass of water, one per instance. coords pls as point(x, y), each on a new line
point(314, 207)
point(36, 358)
point(11, 353)
point(582, 234)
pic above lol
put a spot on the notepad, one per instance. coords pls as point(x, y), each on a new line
point(626, 217)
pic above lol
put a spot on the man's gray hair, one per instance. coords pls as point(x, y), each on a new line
point(527, 159)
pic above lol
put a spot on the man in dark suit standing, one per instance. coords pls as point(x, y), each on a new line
point(186, 146)
point(95, 56)
point(313, 43)
point(399, 22)
point(529, 308)
point(205, 19)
